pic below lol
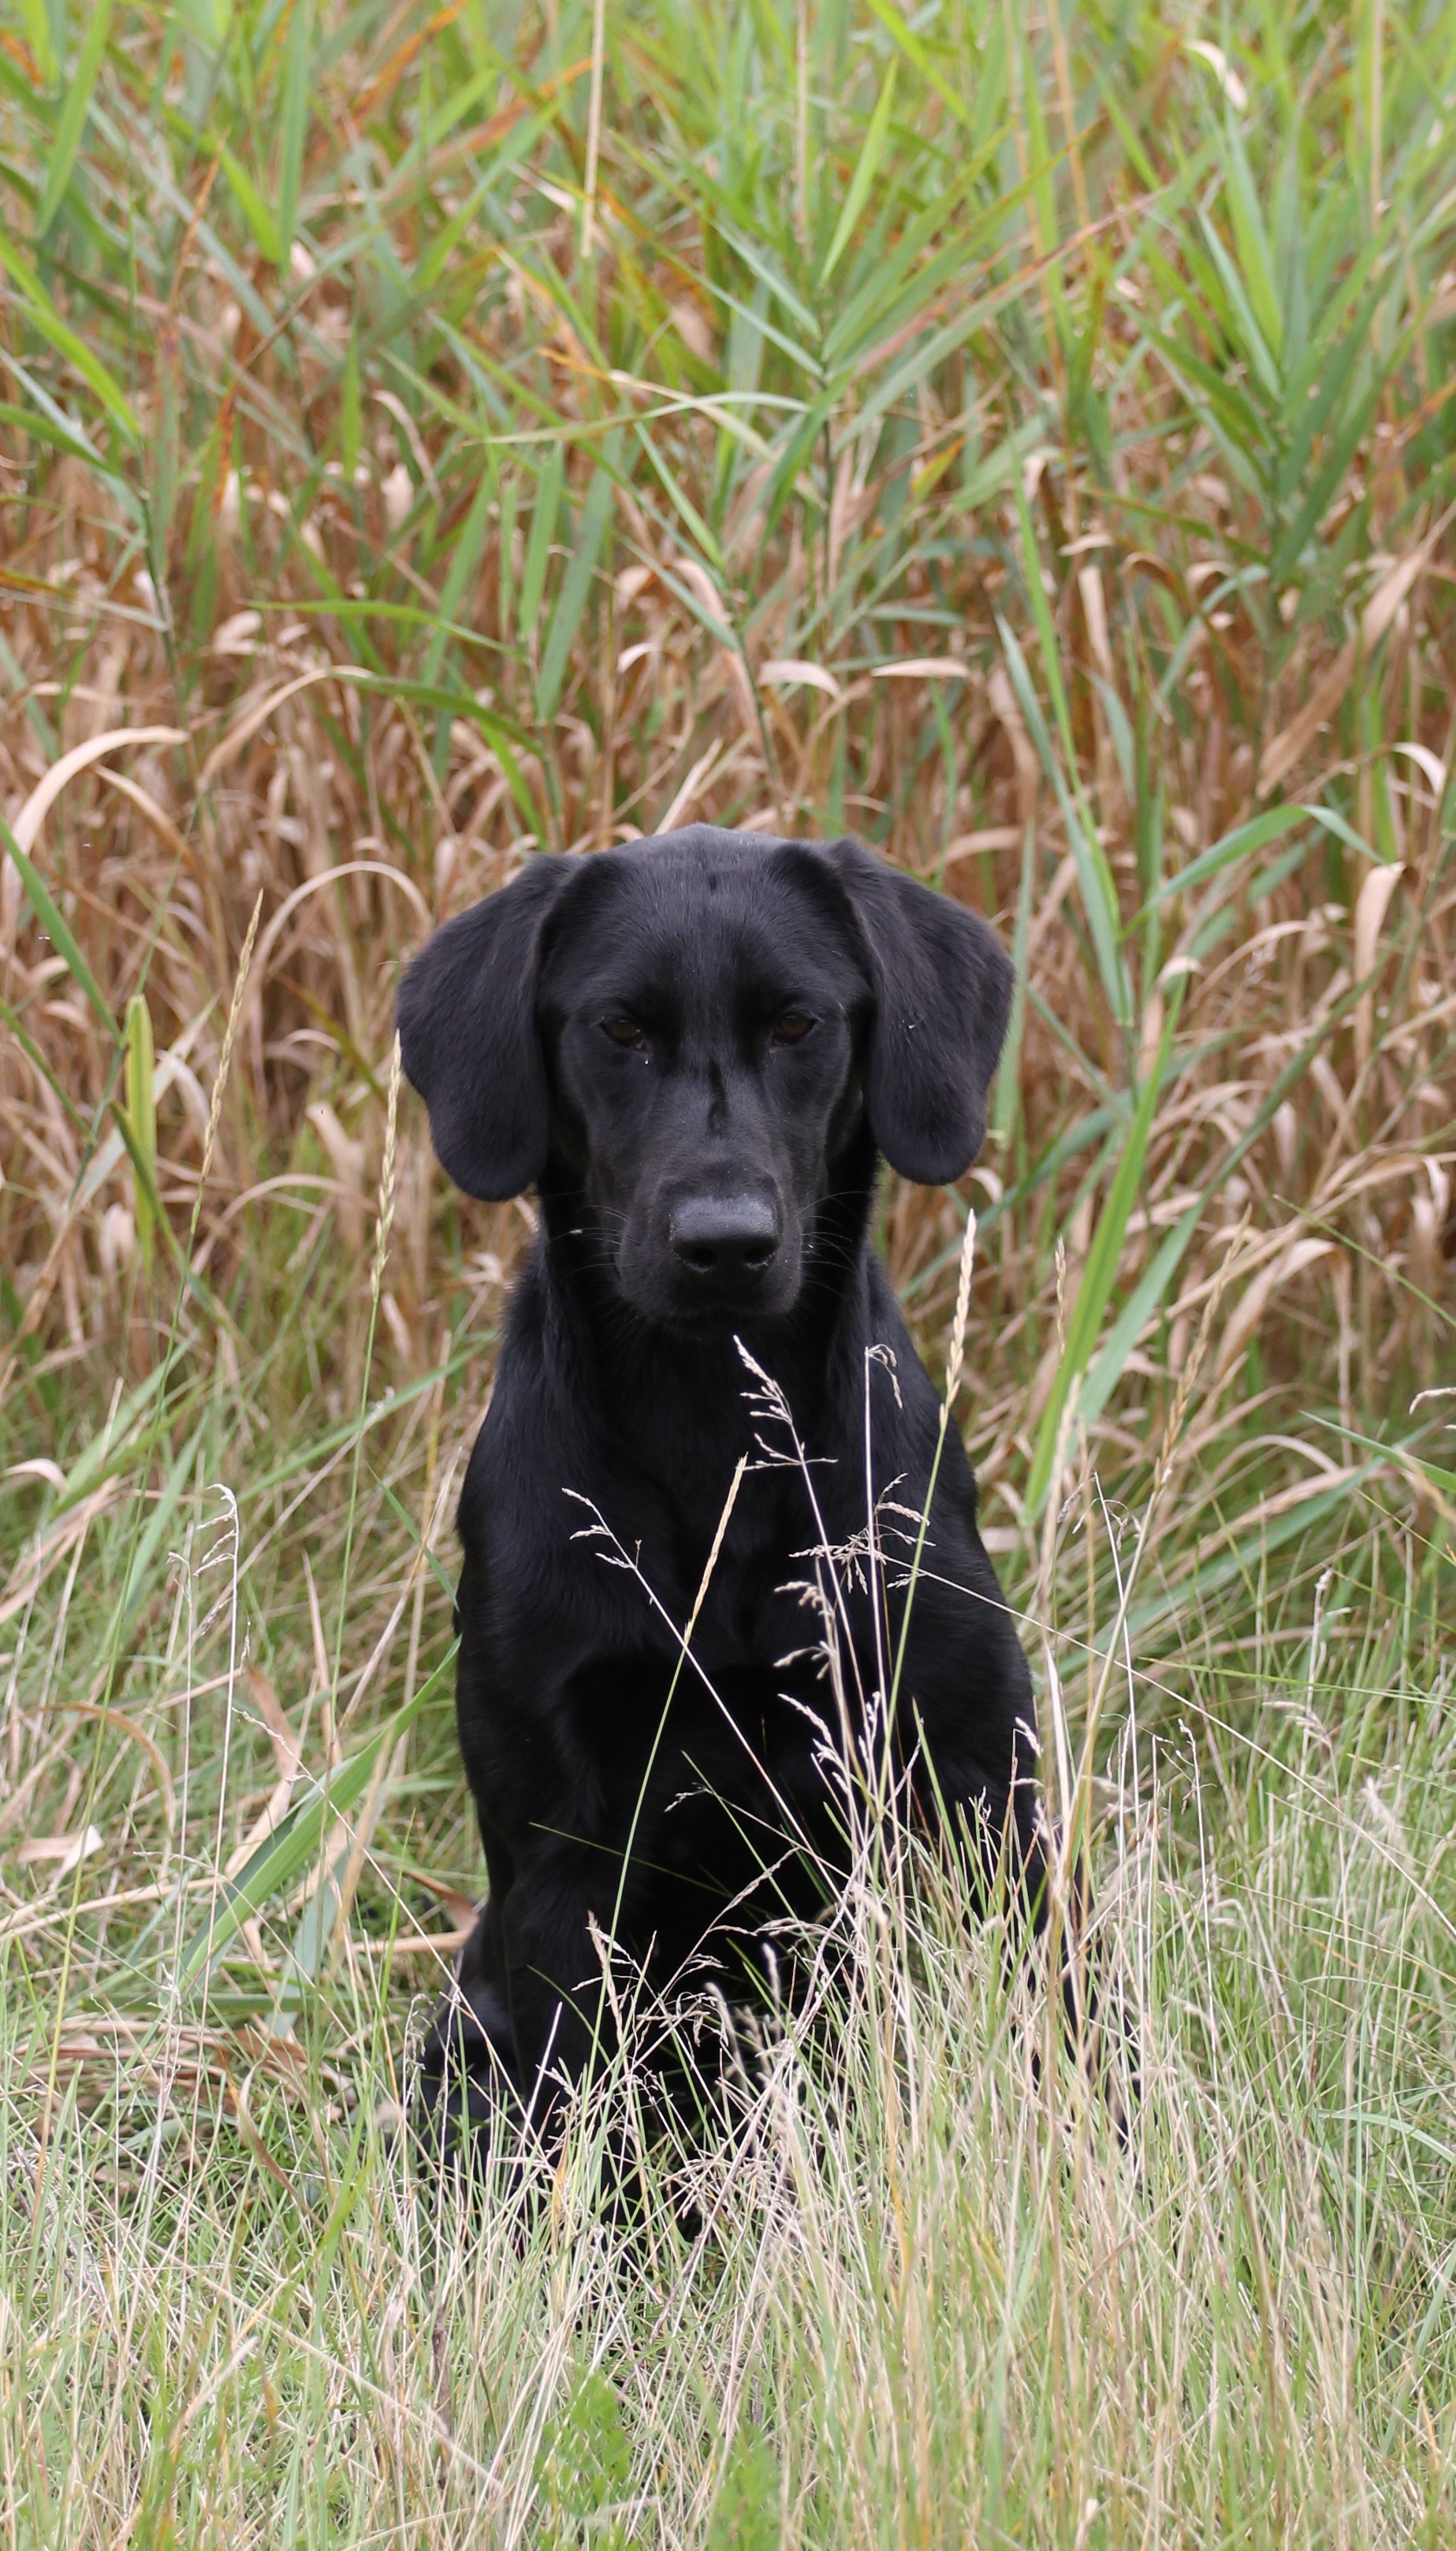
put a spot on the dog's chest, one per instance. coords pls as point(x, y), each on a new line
point(771, 1582)
point(768, 1634)
point(745, 1771)
point(776, 1660)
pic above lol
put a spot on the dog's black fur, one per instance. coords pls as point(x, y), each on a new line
point(697, 1049)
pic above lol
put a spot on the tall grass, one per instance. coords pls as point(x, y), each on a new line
point(1023, 436)
point(929, 2299)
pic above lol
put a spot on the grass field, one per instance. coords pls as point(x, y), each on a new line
point(1022, 435)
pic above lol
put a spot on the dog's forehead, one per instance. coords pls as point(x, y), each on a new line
point(702, 911)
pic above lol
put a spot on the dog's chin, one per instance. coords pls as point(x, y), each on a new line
point(704, 1310)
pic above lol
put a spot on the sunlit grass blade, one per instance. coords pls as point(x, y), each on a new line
point(58, 930)
point(299, 1837)
point(1100, 1272)
point(293, 123)
point(1094, 881)
point(576, 585)
point(74, 109)
point(43, 316)
point(865, 170)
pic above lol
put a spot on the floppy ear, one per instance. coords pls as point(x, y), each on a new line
point(942, 998)
point(468, 1035)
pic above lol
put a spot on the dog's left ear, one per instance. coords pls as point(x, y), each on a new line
point(942, 998)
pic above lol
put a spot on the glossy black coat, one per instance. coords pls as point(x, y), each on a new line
point(654, 1036)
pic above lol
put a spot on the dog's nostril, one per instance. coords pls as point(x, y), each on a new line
point(724, 1235)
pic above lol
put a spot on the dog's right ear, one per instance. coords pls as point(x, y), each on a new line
point(468, 1034)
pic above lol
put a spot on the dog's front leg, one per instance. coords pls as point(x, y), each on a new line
point(526, 2009)
point(468, 2070)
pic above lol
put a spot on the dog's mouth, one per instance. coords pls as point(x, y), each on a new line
point(721, 1318)
point(700, 1296)
point(713, 1311)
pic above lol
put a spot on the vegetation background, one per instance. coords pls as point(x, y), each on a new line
point(1022, 435)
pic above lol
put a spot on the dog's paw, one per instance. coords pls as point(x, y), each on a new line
point(466, 2097)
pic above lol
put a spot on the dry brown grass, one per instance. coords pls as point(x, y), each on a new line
point(359, 814)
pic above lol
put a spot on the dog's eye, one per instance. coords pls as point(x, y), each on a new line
point(624, 1032)
point(792, 1028)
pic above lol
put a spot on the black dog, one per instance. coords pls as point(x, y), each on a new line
point(697, 1049)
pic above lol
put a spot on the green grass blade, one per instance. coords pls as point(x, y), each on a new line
point(260, 215)
point(1100, 1272)
point(142, 1119)
point(45, 318)
point(58, 931)
point(465, 558)
point(538, 546)
point(1254, 256)
point(863, 178)
point(1095, 881)
point(917, 51)
point(577, 584)
point(1253, 836)
point(298, 1839)
point(74, 111)
point(42, 429)
point(294, 126)
point(1103, 1376)
point(1009, 1071)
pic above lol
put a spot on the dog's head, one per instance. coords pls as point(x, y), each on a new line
point(689, 1032)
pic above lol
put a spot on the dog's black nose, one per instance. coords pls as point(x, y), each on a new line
point(730, 1237)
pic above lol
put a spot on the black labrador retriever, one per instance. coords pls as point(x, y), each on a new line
point(697, 1049)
